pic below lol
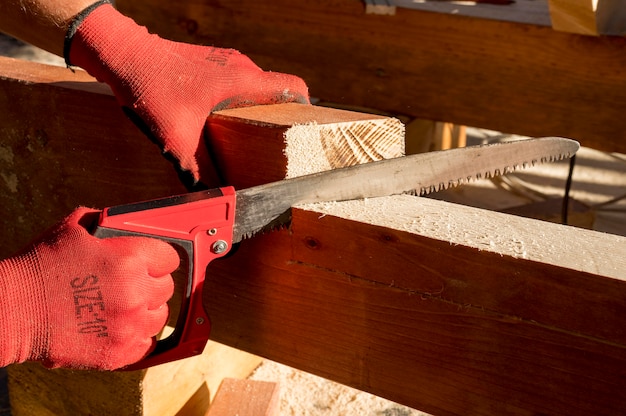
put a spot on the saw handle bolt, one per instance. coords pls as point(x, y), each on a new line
point(219, 247)
point(212, 231)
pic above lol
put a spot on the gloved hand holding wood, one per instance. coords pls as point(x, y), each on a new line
point(169, 88)
point(73, 300)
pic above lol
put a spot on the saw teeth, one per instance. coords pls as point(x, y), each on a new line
point(425, 190)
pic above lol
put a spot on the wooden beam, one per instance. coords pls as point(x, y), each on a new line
point(318, 138)
point(65, 143)
point(444, 308)
point(507, 76)
point(589, 17)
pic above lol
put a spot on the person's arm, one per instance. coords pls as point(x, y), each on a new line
point(42, 23)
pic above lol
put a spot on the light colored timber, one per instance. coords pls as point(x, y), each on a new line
point(589, 17)
point(427, 136)
point(384, 7)
point(290, 140)
point(516, 77)
point(168, 389)
point(246, 398)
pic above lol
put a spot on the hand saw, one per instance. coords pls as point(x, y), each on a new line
point(204, 225)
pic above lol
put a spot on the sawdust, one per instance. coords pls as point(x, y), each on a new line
point(303, 394)
point(501, 234)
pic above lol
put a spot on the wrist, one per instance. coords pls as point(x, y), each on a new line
point(73, 25)
point(107, 45)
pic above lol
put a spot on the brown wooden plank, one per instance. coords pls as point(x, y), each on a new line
point(512, 77)
point(439, 325)
point(64, 143)
point(246, 398)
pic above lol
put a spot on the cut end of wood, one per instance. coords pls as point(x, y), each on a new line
point(308, 138)
point(313, 148)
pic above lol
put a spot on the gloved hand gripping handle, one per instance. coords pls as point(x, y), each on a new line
point(201, 225)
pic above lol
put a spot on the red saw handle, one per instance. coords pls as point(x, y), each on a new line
point(200, 224)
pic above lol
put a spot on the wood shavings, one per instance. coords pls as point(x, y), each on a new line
point(304, 394)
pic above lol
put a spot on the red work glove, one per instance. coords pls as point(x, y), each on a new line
point(73, 300)
point(169, 88)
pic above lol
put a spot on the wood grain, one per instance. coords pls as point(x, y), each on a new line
point(513, 77)
point(289, 140)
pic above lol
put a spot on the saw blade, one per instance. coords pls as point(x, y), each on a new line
point(269, 204)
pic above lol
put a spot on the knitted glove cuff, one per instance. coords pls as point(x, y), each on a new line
point(73, 27)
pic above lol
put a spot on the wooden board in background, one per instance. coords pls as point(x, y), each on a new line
point(246, 398)
point(589, 17)
point(506, 76)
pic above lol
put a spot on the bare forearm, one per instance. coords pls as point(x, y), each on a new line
point(42, 23)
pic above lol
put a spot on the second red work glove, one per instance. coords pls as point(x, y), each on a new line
point(73, 300)
point(169, 88)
